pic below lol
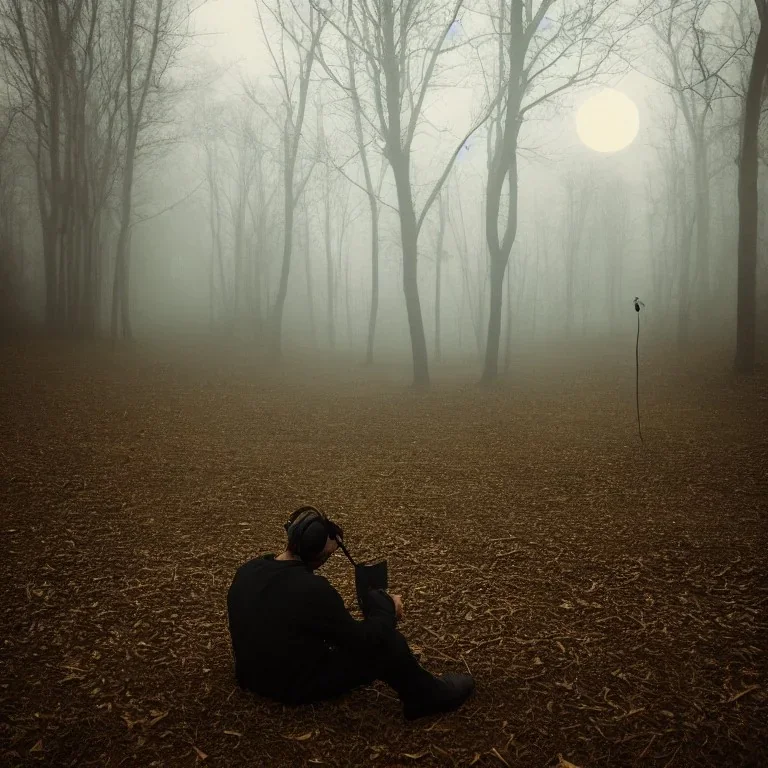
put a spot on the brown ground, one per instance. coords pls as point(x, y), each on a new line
point(610, 598)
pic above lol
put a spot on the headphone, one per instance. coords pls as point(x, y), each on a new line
point(308, 536)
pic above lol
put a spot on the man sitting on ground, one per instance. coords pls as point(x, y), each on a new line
point(295, 642)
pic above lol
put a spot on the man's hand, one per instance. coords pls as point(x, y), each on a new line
point(398, 601)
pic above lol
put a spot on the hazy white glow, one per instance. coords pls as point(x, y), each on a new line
point(608, 121)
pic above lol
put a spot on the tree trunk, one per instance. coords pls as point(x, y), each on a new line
point(438, 266)
point(49, 257)
point(578, 199)
point(239, 281)
point(120, 288)
point(54, 146)
point(438, 275)
point(133, 127)
point(74, 245)
point(508, 351)
point(491, 368)
point(257, 266)
point(212, 225)
point(94, 276)
point(116, 294)
point(586, 281)
point(482, 278)
point(569, 303)
point(308, 275)
point(329, 266)
point(374, 279)
point(504, 168)
point(282, 290)
point(125, 304)
point(211, 280)
point(372, 201)
point(683, 317)
point(226, 303)
point(615, 268)
point(748, 208)
point(409, 236)
point(61, 304)
point(536, 287)
point(348, 305)
point(701, 175)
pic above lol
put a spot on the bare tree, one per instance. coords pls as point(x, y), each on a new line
point(244, 149)
point(439, 256)
point(471, 289)
point(616, 209)
point(748, 200)
point(322, 150)
point(345, 216)
point(344, 75)
point(660, 209)
point(579, 194)
point(63, 66)
point(261, 205)
point(11, 218)
point(400, 46)
point(38, 41)
point(208, 131)
point(301, 33)
point(537, 58)
point(698, 54)
point(152, 34)
point(678, 199)
point(308, 274)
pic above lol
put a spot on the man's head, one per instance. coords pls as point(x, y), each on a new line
point(312, 537)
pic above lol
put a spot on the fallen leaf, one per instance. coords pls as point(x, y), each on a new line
point(158, 716)
point(129, 723)
point(38, 747)
point(304, 736)
point(743, 693)
point(565, 763)
point(417, 755)
point(475, 758)
point(234, 733)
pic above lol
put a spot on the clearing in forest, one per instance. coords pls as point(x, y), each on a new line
point(609, 597)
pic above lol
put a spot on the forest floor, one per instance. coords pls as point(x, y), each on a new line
point(610, 597)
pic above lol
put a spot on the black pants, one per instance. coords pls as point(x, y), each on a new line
point(344, 670)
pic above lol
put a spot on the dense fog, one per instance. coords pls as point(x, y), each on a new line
point(226, 104)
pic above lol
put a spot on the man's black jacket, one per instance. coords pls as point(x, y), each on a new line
point(284, 620)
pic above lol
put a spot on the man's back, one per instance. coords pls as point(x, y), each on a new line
point(270, 616)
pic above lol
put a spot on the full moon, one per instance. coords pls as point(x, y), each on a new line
point(608, 121)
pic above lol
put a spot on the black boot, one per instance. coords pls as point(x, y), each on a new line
point(451, 691)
